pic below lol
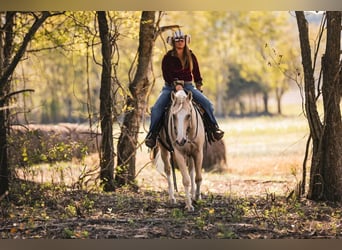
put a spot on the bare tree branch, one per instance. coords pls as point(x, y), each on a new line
point(28, 37)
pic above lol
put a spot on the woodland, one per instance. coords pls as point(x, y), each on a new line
point(76, 88)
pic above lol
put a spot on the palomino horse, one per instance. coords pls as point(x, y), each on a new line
point(181, 141)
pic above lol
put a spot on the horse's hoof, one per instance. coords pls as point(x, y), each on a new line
point(190, 208)
point(198, 197)
point(173, 201)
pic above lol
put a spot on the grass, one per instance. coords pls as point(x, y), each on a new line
point(265, 145)
point(264, 154)
point(248, 202)
point(266, 150)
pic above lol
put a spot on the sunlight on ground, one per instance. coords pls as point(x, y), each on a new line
point(264, 155)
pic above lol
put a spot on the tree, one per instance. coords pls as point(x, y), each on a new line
point(262, 51)
point(136, 102)
point(66, 60)
point(326, 163)
point(9, 59)
point(106, 100)
point(239, 90)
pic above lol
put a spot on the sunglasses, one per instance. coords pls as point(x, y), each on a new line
point(179, 39)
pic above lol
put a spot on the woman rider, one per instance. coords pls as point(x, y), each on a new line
point(180, 68)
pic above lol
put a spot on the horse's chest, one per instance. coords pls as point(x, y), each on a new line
point(188, 149)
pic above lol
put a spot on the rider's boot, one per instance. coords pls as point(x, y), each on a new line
point(218, 133)
point(151, 139)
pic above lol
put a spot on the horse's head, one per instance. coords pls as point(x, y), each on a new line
point(181, 116)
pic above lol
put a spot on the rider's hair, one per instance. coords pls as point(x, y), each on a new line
point(187, 56)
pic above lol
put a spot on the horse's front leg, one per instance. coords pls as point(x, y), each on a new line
point(165, 155)
point(186, 180)
point(198, 160)
point(192, 177)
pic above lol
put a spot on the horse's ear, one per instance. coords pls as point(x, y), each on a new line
point(189, 96)
point(172, 96)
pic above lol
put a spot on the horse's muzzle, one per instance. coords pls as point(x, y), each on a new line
point(182, 142)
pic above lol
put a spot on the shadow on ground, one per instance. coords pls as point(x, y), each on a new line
point(56, 212)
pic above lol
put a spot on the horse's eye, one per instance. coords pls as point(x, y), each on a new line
point(187, 117)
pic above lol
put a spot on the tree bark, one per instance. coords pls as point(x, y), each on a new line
point(332, 127)
point(6, 44)
point(310, 105)
point(265, 102)
point(326, 163)
point(106, 100)
point(7, 67)
point(136, 103)
point(279, 94)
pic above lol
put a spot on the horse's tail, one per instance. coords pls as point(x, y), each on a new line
point(158, 162)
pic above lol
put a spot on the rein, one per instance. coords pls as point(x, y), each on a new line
point(192, 108)
point(196, 112)
point(168, 145)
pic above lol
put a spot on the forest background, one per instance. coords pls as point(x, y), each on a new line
point(250, 62)
point(247, 63)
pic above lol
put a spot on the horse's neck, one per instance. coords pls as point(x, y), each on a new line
point(194, 122)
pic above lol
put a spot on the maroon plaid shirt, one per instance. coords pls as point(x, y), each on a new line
point(172, 69)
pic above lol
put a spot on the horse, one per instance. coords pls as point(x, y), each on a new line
point(181, 141)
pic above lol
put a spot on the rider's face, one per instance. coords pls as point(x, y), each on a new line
point(179, 43)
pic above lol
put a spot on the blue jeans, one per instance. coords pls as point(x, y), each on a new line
point(158, 109)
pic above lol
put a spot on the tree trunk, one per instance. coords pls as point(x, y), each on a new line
point(279, 95)
point(107, 145)
point(332, 127)
point(136, 103)
point(6, 44)
point(4, 169)
point(265, 102)
point(310, 106)
point(7, 67)
point(326, 162)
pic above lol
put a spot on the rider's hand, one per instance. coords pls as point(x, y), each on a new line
point(179, 87)
point(199, 87)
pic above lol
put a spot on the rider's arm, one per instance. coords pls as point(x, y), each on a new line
point(196, 71)
point(166, 69)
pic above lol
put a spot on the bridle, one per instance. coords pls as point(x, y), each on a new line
point(192, 109)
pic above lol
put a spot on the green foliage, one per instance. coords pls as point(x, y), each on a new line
point(251, 42)
point(65, 72)
point(72, 234)
point(68, 233)
point(71, 210)
point(177, 214)
point(226, 233)
point(54, 153)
